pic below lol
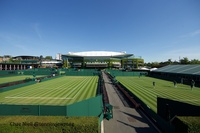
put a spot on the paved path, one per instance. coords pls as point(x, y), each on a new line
point(125, 119)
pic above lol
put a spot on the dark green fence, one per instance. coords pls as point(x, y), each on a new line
point(82, 72)
point(36, 71)
point(50, 71)
point(89, 107)
point(124, 73)
point(16, 86)
point(39, 71)
point(8, 72)
point(167, 108)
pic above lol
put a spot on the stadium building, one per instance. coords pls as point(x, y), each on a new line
point(27, 62)
point(101, 59)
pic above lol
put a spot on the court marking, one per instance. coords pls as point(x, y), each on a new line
point(43, 87)
point(192, 100)
point(53, 98)
point(72, 94)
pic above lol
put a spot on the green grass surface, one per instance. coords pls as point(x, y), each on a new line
point(144, 90)
point(59, 91)
point(8, 79)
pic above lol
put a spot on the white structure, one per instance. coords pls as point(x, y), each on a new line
point(100, 59)
point(97, 53)
point(58, 56)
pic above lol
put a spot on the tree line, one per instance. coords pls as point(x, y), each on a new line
point(183, 61)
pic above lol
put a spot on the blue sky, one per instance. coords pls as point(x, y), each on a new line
point(157, 30)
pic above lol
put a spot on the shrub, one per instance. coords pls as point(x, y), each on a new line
point(44, 124)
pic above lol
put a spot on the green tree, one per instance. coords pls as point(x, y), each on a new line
point(48, 57)
point(155, 64)
point(40, 60)
point(195, 61)
point(184, 60)
point(169, 61)
point(65, 64)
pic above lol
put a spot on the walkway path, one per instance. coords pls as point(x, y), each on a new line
point(125, 119)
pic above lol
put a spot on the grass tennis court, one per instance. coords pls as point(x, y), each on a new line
point(144, 90)
point(8, 79)
point(59, 91)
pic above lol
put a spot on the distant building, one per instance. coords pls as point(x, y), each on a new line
point(1, 58)
point(26, 59)
point(27, 62)
point(87, 59)
point(6, 58)
point(58, 56)
point(52, 63)
point(101, 59)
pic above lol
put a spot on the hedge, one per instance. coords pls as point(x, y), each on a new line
point(47, 124)
point(187, 124)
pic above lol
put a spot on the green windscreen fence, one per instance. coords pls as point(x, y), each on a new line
point(50, 71)
point(37, 71)
point(125, 73)
point(46, 110)
point(16, 86)
point(8, 72)
point(89, 107)
point(19, 109)
point(82, 72)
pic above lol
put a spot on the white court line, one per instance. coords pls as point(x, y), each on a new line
point(102, 127)
point(38, 88)
point(39, 98)
point(189, 100)
point(53, 98)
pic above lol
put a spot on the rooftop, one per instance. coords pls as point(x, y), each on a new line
point(98, 53)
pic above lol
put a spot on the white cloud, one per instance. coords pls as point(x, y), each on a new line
point(197, 32)
point(191, 34)
point(37, 30)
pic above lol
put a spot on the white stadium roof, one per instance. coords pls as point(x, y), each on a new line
point(97, 53)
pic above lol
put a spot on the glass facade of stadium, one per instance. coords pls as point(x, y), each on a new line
point(101, 59)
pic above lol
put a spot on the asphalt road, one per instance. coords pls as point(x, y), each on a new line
point(125, 119)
